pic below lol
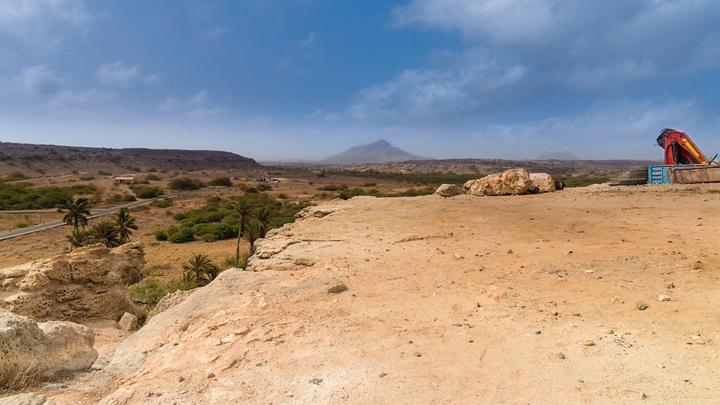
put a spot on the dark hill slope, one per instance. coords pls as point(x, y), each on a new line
point(377, 152)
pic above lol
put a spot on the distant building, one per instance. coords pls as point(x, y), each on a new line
point(126, 180)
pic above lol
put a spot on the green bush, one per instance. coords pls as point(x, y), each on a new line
point(146, 191)
point(161, 235)
point(185, 184)
point(221, 182)
point(153, 177)
point(184, 234)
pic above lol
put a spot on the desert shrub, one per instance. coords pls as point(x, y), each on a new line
point(164, 203)
point(161, 235)
point(146, 191)
point(282, 196)
point(87, 178)
point(184, 234)
point(22, 225)
point(114, 198)
point(14, 176)
point(580, 181)
point(221, 182)
point(153, 177)
point(264, 187)
point(185, 184)
point(333, 187)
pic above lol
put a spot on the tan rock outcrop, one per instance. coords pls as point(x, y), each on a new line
point(513, 181)
point(32, 350)
point(90, 282)
point(449, 190)
point(543, 181)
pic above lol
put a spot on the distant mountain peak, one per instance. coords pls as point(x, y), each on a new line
point(377, 152)
point(564, 155)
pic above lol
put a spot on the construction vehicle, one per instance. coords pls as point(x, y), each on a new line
point(684, 162)
point(680, 149)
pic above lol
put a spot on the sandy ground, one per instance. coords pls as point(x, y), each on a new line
point(461, 300)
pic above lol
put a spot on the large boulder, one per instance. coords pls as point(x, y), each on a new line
point(543, 181)
point(90, 282)
point(449, 190)
point(513, 181)
point(30, 350)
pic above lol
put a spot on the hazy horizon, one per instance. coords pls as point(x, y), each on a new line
point(279, 80)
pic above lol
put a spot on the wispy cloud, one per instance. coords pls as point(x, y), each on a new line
point(38, 26)
point(118, 75)
point(197, 106)
point(307, 41)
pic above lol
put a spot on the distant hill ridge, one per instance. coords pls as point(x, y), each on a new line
point(57, 158)
point(376, 152)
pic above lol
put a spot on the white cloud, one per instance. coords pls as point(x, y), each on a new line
point(588, 45)
point(415, 94)
point(116, 74)
point(38, 26)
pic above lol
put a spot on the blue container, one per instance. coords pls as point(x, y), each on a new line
point(658, 174)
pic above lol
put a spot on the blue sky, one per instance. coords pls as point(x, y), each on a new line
point(306, 79)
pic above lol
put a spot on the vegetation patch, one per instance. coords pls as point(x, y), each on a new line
point(580, 181)
point(185, 184)
point(146, 191)
point(424, 179)
point(218, 219)
point(23, 196)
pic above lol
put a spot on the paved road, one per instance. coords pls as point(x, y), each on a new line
point(94, 214)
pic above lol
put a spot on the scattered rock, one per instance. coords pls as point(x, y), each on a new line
point(46, 350)
point(588, 342)
point(24, 399)
point(449, 190)
point(643, 396)
point(543, 181)
point(315, 381)
point(497, 293)
point(54, 387)
point(663, 298)
point(641, 305)
point(128, 322)
point(382, 375)
point(458, 256)
point(513, 181)
point(561, 356)
point(417, 354)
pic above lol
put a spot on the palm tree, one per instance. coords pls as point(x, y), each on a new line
point(105, 232)
point(78, 211)
point(200, 269)
point(77, 239)
point(263, 216)
point(251, 234)
point(124, 223)
point(245, 210)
